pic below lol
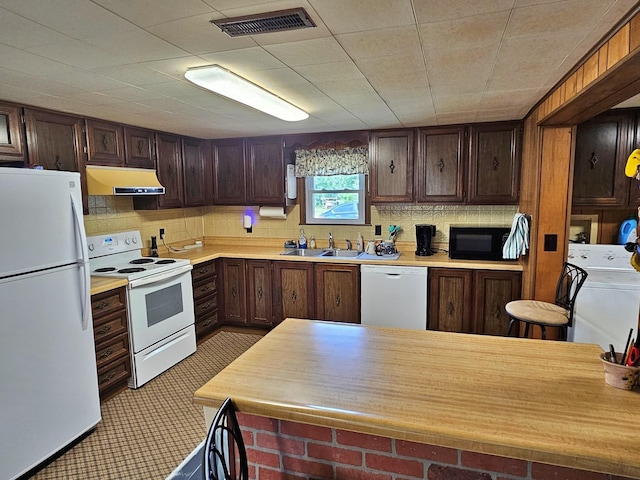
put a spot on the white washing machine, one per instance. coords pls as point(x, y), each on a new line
point(607, 305)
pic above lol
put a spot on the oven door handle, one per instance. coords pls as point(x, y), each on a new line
point(160, 277)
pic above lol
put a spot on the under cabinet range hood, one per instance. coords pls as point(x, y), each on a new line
point(122, 181)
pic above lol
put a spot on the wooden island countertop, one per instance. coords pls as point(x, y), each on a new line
point(534, 400)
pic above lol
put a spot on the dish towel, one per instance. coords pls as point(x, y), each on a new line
point(518, 241)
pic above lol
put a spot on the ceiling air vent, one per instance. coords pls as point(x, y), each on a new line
point(280, 21)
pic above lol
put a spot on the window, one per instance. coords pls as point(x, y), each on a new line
point(335, 199)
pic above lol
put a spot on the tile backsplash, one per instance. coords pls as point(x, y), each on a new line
point(115, 214)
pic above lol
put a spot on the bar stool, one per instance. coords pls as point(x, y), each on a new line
point(545, 314)
point(225, 457)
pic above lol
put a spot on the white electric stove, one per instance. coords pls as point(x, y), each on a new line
point(159, 302)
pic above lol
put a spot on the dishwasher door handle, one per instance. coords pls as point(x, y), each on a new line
point(395, 276)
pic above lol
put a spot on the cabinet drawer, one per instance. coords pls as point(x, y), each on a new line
point(114, 349)
point(206, 324)
point(206, 305)
point(204, 288)
point(109, 326)
point(203, 270)
point(114, 373)
point(108, 302)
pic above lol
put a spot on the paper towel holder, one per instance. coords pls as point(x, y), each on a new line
point(273, 212)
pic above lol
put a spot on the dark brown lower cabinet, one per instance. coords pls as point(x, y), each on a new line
point(293, 290)
point(205, 298)
point(471, 301)
point(234, 288)
point(337, 292)
point(259, 293)
point(111, 336)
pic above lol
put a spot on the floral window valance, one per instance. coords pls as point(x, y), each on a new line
point(331, 161)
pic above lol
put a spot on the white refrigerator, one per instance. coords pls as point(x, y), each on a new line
point(48, 379)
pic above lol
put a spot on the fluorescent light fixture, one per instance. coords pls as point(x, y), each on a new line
point(224, 82)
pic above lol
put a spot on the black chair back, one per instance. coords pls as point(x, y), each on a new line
point(225, 457)
point(571, 280)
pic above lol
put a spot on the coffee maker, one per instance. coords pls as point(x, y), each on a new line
point(424, 233)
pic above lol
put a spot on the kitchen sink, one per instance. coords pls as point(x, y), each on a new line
point(340, 253)
point(303, 252)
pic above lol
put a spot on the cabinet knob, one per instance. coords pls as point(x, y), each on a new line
point(450, 308)
point(234, 292)
point(337, 300)
point(496, 163)
point(392, 167)
point(496, 311)
point(593, 160)
point(104, 330)
point(294, 296)
point(260, 293)
point(441, 165)
point(106, 353)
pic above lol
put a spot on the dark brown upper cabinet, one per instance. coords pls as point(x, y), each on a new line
point(197, 172)
point(105, 142)
point(440, 164)
point(139, 148)
point(602, 147)
point(11, 134)
point(229, 174)
point(391, 157)
point(265, 171)
point(494, 163)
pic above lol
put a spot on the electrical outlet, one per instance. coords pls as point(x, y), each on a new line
point(161, 233)
point(378, 230)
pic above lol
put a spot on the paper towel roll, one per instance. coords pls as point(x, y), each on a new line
point(273, 212)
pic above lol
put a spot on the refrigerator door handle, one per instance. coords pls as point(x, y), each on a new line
point(83, 263)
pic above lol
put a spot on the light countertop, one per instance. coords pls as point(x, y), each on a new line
point(529, 399)
point(271, 250)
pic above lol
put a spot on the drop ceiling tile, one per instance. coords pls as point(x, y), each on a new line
point(456, 117)
point(131, 74)
point(132, 94)
point(177, 89)
point(509, 99)
point(361, 15)
point(375, 65)
point(329, 71)
point(402, 80)
point(437, 10)
point(309, 52)
point(244, 60)
point(479, 30)
point(160, 11)
point(348, 101)
point(19, 32)
point(175, 67)
point(336, 88)
point(380, 43)
point(470, 70)
point(74, 18)
point(197, 36)
point(456, 103)
point(542, 19)
point(77, 53)
point(137, 46)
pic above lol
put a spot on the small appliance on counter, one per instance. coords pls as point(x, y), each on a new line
point(477, 242)
point(424, 234)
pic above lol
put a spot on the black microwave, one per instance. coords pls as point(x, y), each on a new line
point(475, 242)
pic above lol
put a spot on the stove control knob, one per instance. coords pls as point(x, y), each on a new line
point(90, 247)
point(127, 241)
point(134, 240)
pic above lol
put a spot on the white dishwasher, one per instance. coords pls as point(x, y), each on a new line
point(394, 296)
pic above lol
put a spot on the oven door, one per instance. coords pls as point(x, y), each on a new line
point(159, 306)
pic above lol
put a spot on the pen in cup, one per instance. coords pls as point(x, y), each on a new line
point(625, 352)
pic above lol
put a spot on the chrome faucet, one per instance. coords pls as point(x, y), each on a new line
point(349, 246)
point(330, 240)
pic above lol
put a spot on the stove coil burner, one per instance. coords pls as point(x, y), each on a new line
point(105, 269)
point(132, 270)
point(164, 262)
point(139, 261)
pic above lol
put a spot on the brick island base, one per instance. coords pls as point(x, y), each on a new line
point(284, 450)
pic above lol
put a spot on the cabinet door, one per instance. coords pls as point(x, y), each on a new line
point(338, 292)
point(235, 299)
point(634, 185)
point(138, 148)
point(494, 163)
point(229, 172)
point(265, 171)
point(169, 170)
point(450, 299)
point(391, 154)
point(493, 289)
point(259, 293)
point(440, 164)
point(105, 142)
point(196, 174)
point(602, 145)
point(11, 133)
point(293, 293)
point(53, 140)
